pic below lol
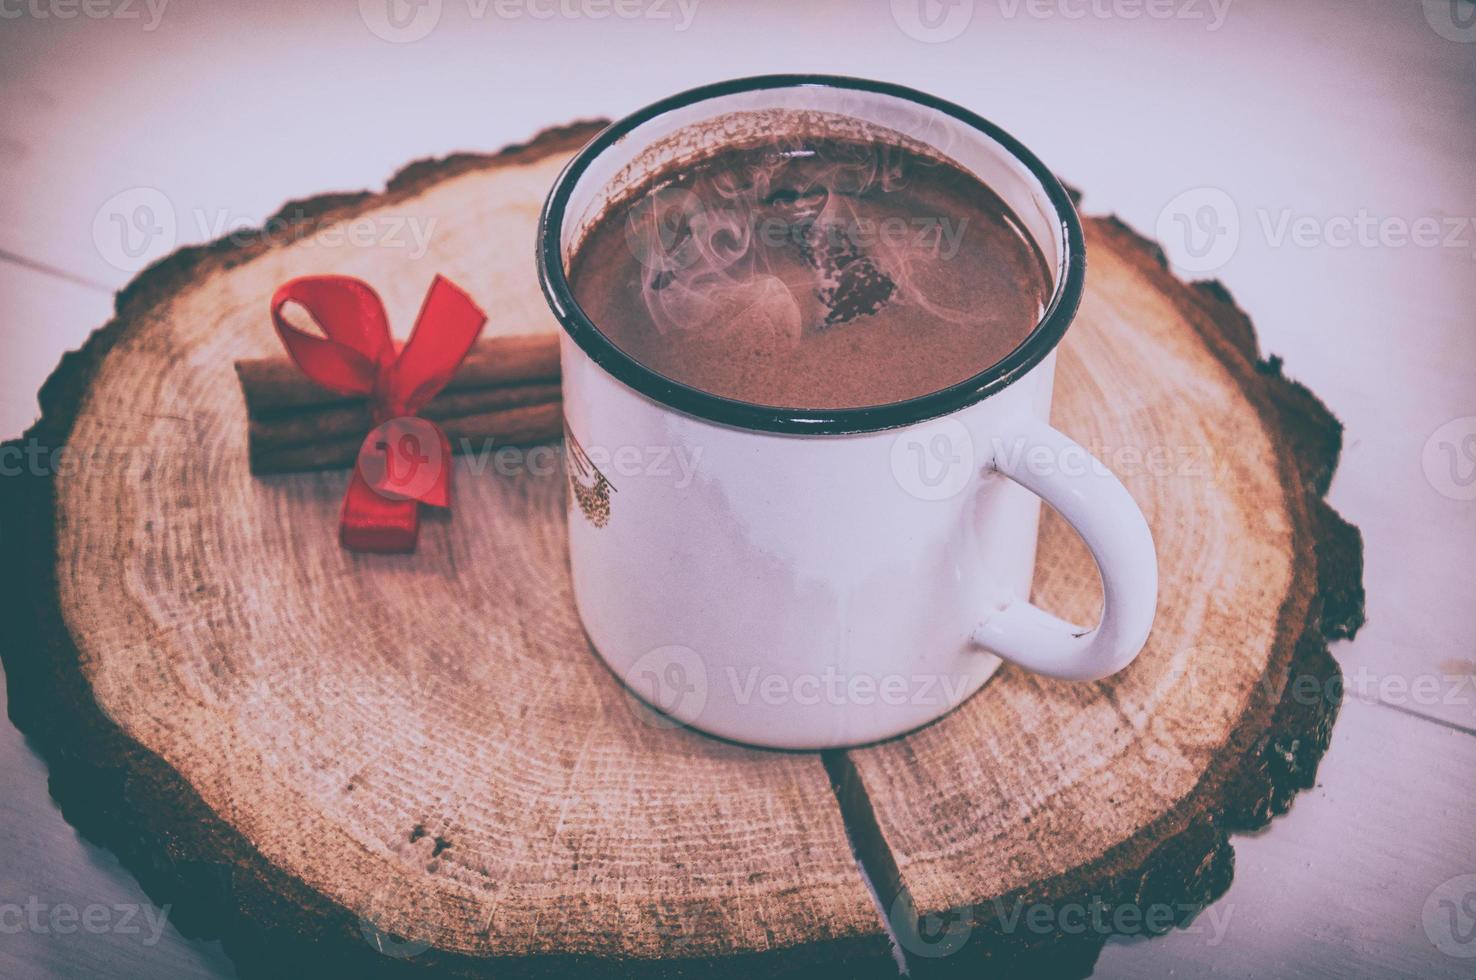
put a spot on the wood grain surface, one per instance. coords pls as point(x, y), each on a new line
point(1056, 797)
point(398, 764)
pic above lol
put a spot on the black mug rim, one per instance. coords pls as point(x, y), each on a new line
point(767, 418)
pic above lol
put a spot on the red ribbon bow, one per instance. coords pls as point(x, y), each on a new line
point(405, 461)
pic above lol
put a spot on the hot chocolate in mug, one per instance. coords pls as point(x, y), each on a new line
point(815, 578)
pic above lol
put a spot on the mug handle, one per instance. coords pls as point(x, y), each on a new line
point(1098, 506)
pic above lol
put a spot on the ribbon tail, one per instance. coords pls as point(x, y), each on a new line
point(371, 522)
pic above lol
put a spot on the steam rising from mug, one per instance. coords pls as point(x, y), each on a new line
point(811, 270)
point(790, 238)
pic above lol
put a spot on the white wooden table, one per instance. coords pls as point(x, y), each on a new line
point(1334, 133)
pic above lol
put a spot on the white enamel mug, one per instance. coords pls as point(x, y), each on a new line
point(809, 579)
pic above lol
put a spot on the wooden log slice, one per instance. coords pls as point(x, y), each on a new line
point(406, 765)
point(1041, 817)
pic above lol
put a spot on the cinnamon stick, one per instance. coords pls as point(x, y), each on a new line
point(521, 425)
point(346, 420)
point(274, 383)
point(506, 392)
